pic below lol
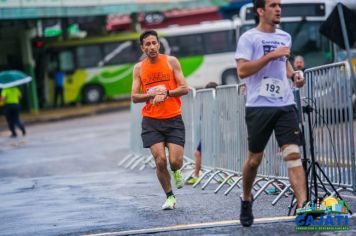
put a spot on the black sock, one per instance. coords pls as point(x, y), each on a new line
point(169, 194)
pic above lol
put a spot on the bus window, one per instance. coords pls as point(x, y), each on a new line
point(88, 56)
point(121, 53)
point(303, 9)
point(186, 45)
point(164, 46)
point(218, 42)
point(245, 28)
point(66, 61)
point(52, 63)
point(308, 42)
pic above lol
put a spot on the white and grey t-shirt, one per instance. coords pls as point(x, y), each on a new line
point(269, 87)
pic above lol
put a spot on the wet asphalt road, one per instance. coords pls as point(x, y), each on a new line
point(63, 179)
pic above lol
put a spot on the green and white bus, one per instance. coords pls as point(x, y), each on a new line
point(302, 20)
point(101, 68)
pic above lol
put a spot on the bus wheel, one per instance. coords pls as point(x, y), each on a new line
point(229, 77)
point(92, 93)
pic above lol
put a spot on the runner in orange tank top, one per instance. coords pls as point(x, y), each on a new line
point(159, 82)
point(159, 76)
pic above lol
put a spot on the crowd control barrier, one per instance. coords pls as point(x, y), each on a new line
point(138, 155)
point(329, 93)
point(188, 119)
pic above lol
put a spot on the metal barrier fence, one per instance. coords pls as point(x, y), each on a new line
point(138, 154)
point(231, 150)
point(190, 124)
point(217, 118)
point(206, 100)
point(329, 92)
point(188, 118)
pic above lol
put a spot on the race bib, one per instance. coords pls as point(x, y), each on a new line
point(271, 87)
point(152, 89)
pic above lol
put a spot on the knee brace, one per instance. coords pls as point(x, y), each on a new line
point(289, 150)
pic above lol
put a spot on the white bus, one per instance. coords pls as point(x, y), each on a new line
point(212, 43)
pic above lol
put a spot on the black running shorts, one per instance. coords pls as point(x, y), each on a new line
point(262, 121)
point(169, 130)
point(199, 147)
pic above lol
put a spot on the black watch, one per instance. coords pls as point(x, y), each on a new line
point(167, 93)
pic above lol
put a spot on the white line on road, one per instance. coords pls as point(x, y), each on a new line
point(195, 226)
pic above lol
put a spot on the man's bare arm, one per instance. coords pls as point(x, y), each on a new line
point(136, 96)
point(247, 68)
point(290, 70)
point(182, 88)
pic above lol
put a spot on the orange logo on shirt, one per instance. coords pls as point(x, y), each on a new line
point(155, 78)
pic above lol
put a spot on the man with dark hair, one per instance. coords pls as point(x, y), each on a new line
point(159, 82)
point(262, 61)
point(258, 4)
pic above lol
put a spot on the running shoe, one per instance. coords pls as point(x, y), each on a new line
point(246, 216)
point(178, 179)
point(169, 204)
point(192, 180)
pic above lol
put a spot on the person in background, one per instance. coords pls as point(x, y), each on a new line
point(11, 97)
point(299, 63)
point(197, 153)
point(59, 88)
point(159, 82)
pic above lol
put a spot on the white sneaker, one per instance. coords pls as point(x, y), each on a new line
point(170, 203)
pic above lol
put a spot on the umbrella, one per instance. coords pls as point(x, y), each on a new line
point(11, 78)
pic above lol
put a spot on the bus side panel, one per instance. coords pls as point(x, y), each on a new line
point(210, 69)
point(116, 80)
point(190, 64)
point(73, 84)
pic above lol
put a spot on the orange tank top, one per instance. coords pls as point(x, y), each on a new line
point(155, 76)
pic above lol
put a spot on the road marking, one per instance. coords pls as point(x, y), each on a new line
point(195, 226)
